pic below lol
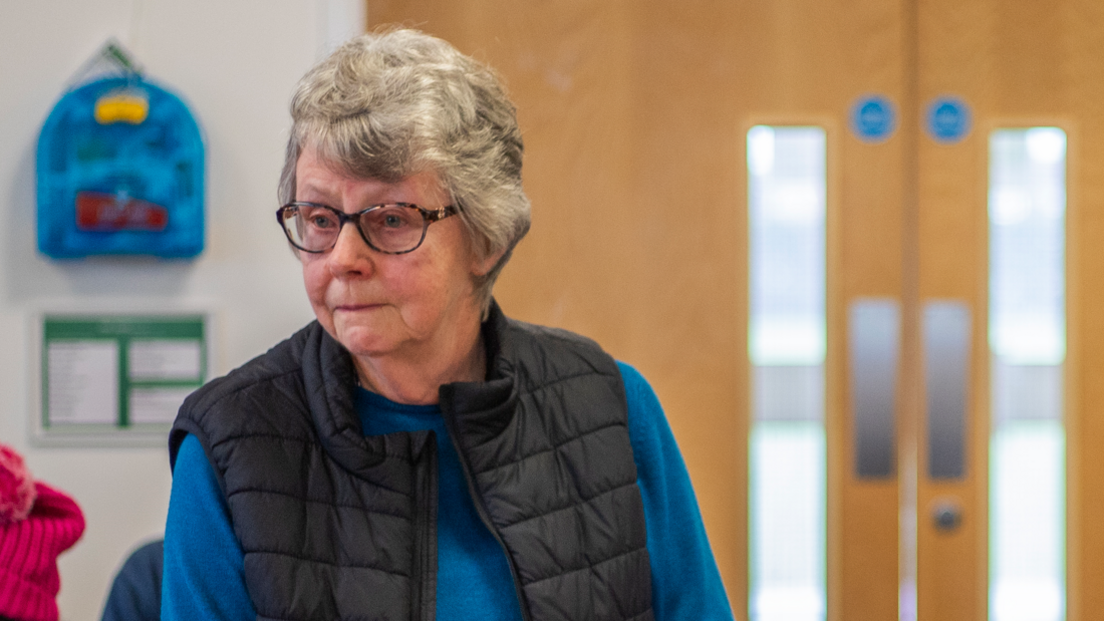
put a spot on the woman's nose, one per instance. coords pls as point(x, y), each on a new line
point(350, 253)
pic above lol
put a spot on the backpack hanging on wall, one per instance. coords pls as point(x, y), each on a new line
point(120, 170)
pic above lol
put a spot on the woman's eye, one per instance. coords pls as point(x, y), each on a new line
point(389, 219)
point(321, 221)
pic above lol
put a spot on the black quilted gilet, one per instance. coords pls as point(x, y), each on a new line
point(336, 525)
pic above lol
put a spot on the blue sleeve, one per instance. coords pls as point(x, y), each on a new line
point(204, 573)
point(686, 584)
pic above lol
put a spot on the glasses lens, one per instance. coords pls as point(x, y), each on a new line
point(394, 228)
point(311, 228)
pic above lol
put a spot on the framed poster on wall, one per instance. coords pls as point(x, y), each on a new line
point(110, 379)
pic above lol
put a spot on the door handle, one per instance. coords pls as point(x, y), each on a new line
point(946, 365)
point(874, 338)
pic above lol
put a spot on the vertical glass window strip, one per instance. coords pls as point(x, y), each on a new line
point(1027, 341)
point(787, 196)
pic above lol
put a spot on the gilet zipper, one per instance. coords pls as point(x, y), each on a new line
point(481, 509)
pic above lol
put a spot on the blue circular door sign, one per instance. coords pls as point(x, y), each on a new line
point(873, 118)
point(948, 119)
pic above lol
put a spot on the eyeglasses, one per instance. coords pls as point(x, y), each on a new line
point(396, 228)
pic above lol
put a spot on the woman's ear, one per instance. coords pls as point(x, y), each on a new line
point(481, 266)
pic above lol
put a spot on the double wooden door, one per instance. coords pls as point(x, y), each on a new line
point(973, 217)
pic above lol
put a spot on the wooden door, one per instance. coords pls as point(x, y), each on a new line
point(634, 165)
point(1015, 65)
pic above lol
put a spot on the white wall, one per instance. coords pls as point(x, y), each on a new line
point(234, 62)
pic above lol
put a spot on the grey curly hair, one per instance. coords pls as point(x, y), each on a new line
point(394, 103)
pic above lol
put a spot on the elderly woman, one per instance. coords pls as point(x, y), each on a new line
point(414, 454)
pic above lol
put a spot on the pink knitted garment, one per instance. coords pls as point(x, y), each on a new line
point(17, 490)
point(31, 543)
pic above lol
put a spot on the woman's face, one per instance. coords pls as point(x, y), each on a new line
point(410, 306)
